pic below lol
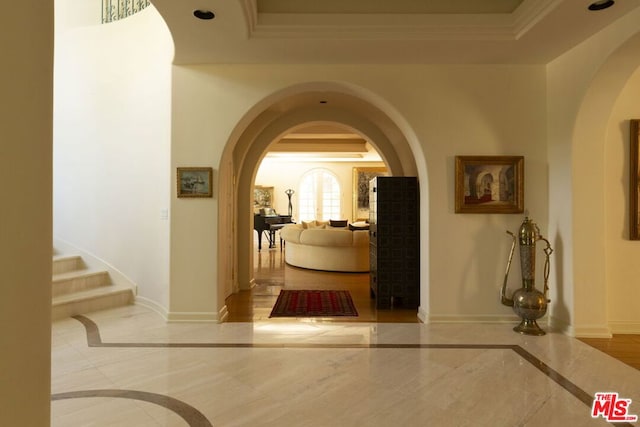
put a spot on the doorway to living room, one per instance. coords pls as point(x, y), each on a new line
point(321, 164)
point(302, 106)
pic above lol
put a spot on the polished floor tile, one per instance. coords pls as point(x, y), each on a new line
point(135, 369)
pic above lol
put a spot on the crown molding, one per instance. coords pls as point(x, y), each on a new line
point(530, 13)
point(396, 26)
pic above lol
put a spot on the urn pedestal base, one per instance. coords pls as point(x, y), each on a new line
point(529, 327)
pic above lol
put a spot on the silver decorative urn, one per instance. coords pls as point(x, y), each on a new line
point(528, 302)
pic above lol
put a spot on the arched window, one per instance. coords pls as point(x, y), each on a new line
point(319, 196)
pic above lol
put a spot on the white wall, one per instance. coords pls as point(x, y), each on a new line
point(26, 102)
point(622, 254)
point(282, 175)
point(446, 111)
point(584, 85)
point(76, 13)
point(112, 145)
point(451, 110)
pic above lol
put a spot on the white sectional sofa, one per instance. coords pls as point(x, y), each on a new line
point(318, 246)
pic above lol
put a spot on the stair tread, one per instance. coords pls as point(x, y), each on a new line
point(90, 293)
point(82, 289)
point(85, 272)
point(59, 257)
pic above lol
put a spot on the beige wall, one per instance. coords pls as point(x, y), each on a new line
point(584, 86)
point(622, 255)
point(25, 218)
point(558, 116)
point(444, 111)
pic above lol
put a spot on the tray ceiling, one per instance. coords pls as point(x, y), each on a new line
point(383, 31)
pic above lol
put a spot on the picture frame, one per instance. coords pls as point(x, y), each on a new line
point(361, 178)
point(489, 184)
point(194, 182)
point(262, 197)
point(634, 179)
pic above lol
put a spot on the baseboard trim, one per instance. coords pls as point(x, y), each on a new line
point(152, 305)
point(223, 314)
point(488, 318)
point(423, 315)
point(178, 316)
point(192, 316)
point(592, 331)
point(624, 327)
point(561, 326)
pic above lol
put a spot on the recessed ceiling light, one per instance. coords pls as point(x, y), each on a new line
point(204, 14)
point(601, 4)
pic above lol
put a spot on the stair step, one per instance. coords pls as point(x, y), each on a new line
point(67, 263)
point(86, 301)
point(77, 289)
point(78, 280)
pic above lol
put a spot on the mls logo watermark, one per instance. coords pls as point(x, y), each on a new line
point(612, 408)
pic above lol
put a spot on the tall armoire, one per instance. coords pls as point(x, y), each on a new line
point(394, 241)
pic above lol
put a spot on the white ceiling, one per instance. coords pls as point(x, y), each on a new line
point(382, 31)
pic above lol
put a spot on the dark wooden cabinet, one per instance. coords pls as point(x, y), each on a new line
point(394, 241)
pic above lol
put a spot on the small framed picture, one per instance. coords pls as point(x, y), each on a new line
point(194, 182)
point(489, 184)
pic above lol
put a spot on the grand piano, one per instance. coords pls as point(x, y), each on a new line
point(267, 222)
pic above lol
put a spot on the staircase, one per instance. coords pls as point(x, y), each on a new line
point(77, 289)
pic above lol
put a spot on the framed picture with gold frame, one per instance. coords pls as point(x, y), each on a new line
point(194, 182)
point(489, 184)
point(634, 180)
point(361, 178)
point(262, 198)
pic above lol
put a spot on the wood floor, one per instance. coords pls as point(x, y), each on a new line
point(272, 274)
point(625, 348)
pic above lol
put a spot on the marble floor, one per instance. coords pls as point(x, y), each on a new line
point(128, 367)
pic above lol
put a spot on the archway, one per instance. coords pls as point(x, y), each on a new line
point(281, 113)
point(588, 138)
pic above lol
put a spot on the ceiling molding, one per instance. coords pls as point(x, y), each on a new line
point(386, 6)
point(320, 145)
point(320, 157)
point(250, 12)
point(383, 31)
point(396, 26)
point(530, 13)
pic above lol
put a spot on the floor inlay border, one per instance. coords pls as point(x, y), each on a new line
point(94, 340)
point(191, 415)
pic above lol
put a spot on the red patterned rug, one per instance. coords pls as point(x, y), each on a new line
point(301, 303)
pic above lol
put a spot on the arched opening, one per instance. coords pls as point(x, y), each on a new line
point(283, 112)
point(484, 188)
point(603, 256)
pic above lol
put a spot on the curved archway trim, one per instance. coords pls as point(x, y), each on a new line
point(298, 107)
point(590, 311)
